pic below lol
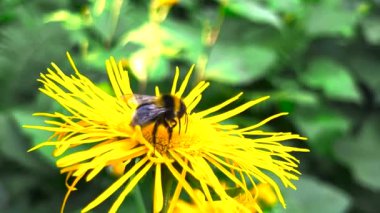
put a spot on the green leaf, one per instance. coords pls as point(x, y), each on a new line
point(4, 194)
point(366, 66)
point(69, 20)
point(254, 12)
point(37, 136)
point(325, 20)
point(302, 97)
point(159, 70)
point(106, 16)
point(96, 58)
point(21, 58)
point(333, 79)
point(239, 63)
point(315, 196)
point(288, 6)
point(361, 153)
point(145, 66)
point(14, 146)
point(322, 126)
point(185, 40)
point(371, 29)
point(287, 89)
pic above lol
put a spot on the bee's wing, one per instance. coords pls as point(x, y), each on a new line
point(147, 113)
point(137, 99)
point(144, 99)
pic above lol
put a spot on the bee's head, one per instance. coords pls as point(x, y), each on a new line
point(174, 105)
point(182, 109)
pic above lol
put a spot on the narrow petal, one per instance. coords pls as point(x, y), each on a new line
point(117, 74)
point(157, 91)
point(206, 191)
point(188, 188)
point(185, 82)
point(214, 161)
point(175, 81)
point(69, 190)
point(158, 200)
point(193, 104)
point(133, 182)
point(261, 123)
point(124, 80)
point(195, 92)
point(218, 107)
point(84, 155)
point(98, 168)
point(231, 113)
point(112, 78)
point(176, 193)
point(72, 62)
point(115, 186)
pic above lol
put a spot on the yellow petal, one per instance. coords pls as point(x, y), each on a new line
point(218, 107)
point(233, 112)
point(158, 200)
point(134, 180)
point(115, 186)
point(185, 82)
point(175, 81)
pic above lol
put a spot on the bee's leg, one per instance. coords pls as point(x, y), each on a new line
point(174, 123)
point(170, 128)
point(154, 133)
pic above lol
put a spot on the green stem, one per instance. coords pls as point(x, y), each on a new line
point(137, 195)
point(210, 36)
point(168, 182)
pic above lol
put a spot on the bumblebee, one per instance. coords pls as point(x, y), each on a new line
point(166, 110)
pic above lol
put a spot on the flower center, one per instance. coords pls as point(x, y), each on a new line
point(161, 139)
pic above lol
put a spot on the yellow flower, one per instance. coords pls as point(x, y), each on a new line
point(227, 206)
point(95, 133)
point(265, 197)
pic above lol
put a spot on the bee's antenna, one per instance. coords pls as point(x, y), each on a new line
point(179, 127)
point(186, 121)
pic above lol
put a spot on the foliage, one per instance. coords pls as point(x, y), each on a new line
point(318, 59)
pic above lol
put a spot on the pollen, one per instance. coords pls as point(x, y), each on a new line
point(179, 139)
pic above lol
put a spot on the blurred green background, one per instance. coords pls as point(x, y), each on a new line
point(319, 60)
